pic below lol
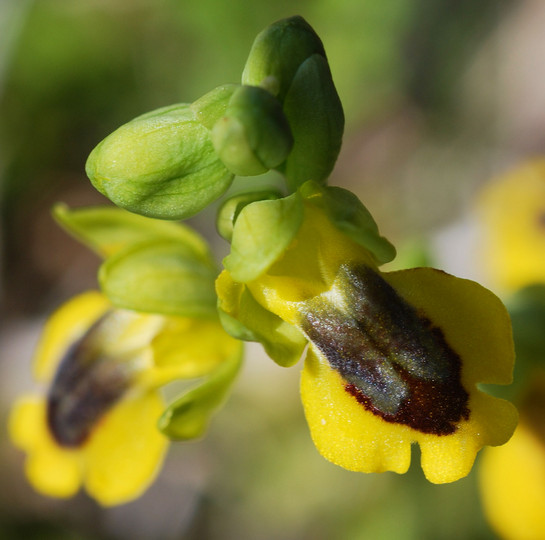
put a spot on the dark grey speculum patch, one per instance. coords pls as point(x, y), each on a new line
point(394, 361)
point(86, 385)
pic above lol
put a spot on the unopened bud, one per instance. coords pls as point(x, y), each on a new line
point(253, 136)
point(161, 164)
point(277, 53)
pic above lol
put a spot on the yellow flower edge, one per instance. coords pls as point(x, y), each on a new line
point(116, 465)
point(512, 486)
point(476, 325)
point(51, 470)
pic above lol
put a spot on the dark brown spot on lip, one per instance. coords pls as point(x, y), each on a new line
point(392, 359)
point(86, 385)
point(431, 408)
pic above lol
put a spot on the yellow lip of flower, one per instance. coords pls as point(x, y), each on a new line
point(97, 427)
point(452, 420)
point(394, 358)
point(393, 361)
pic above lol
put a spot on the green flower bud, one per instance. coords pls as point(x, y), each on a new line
point(231, 208)
point(253, 136)
point(315, 114)
point(161, 164)
point(277, 53)
point(289, 60)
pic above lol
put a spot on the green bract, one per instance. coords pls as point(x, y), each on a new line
point(350, 216)
point(253, 136)
point(108, 230)
point(249, 321)
point(161, 165)
point(262, 232)
point(188, 417)
point(213, 105)
point(231, 208)
point(160, 277)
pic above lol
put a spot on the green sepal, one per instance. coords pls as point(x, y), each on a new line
point(212, 106)
point(253, 136)
point(188, 416)
point(231, 208)
point(277, 53)
point(161, 165)
point(108, 230)
point(262, 232)
point(160, 277)
point(351, 217)
point(315, 114)
point(282, 342)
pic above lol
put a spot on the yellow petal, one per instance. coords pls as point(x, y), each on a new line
point(188, 348)
point(24, 423)
point(124, 454)
point(50, 469)
point(513, 488)
point(65, 326)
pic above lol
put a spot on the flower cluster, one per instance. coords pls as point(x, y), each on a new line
point(390, 358)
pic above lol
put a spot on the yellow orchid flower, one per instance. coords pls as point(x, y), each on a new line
point(393, 358)
point(511, 477)
point(512, 487)
point(97, 426)
point(512, 210)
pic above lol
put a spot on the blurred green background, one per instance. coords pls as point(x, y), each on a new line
point(438, 96)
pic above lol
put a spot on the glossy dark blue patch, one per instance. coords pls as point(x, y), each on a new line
point(394, 361)
point(87, 384)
